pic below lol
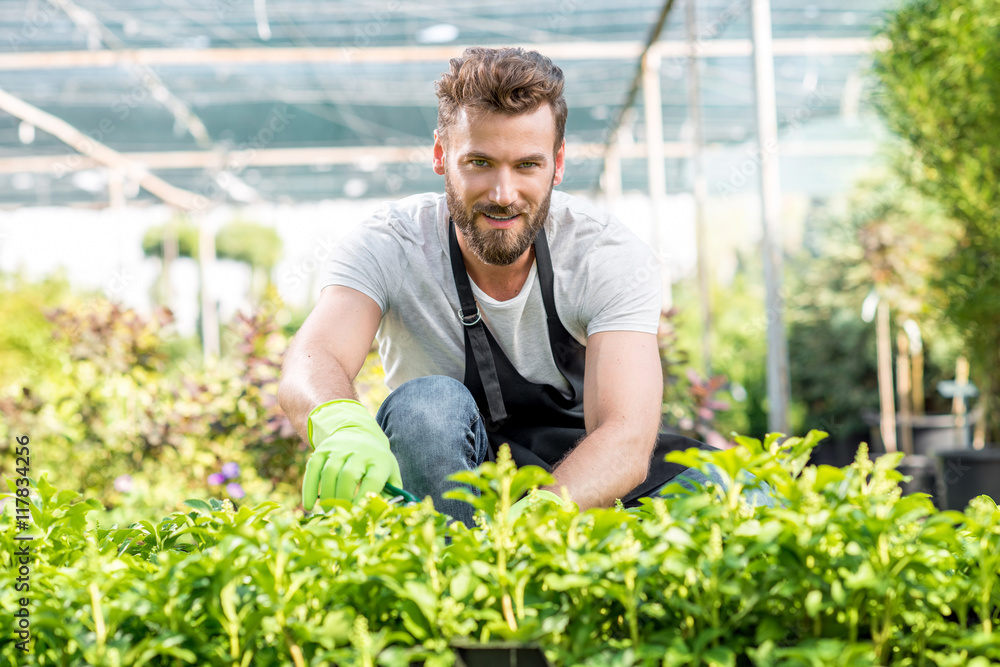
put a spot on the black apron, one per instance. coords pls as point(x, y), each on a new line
point(539, 423)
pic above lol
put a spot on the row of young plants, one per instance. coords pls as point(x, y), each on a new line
point(842, 571)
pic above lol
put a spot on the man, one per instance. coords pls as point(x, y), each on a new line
point(505, 312)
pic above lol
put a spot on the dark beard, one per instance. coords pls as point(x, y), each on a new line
point(499, 247)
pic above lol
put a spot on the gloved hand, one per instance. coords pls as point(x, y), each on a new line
point(350, 456)
point(534, 497)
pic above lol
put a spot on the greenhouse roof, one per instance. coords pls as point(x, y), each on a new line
point(305, 100)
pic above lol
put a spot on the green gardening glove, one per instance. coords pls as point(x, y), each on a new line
point(350, 456)
point(536, 497)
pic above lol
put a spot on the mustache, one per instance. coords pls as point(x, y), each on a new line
point(498, 211)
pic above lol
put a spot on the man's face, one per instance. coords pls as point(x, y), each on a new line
point(499, 172)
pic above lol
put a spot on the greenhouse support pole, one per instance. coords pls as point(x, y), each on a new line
point(770, 198)
point(700, 186)
point(883, 349)
point(209, 314)
point(958, 402)
point(171, 250)
point(611, 179)
point(904, 389)
point(917, 364)
point(656, 169)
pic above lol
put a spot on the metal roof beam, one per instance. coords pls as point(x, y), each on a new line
point(287, 157)
point(97, 152)
point(715, 48)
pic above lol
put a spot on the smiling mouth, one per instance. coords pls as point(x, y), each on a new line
point(501, 219)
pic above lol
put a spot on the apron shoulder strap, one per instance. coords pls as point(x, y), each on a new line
point(475, 329)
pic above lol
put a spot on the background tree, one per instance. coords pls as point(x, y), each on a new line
point(254, 244)
point(178, 237)
point(941, 94)
point(887, 237)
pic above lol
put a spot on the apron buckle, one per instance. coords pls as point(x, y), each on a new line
point(464, 319)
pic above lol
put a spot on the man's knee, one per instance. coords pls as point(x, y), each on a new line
point(435, 404)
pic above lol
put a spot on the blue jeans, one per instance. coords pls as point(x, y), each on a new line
point(435, 429)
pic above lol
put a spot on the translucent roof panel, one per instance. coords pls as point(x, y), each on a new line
point(346, 101)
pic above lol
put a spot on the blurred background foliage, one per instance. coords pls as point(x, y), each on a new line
point(117, 408)
point(26, 349)
point(184, 232)
point(258, 246)
point(884, 236)
point(940, 94)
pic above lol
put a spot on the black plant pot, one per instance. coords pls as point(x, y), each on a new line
point(501, 654)
point(964, 474)
point(931, 433)
point(923, 471)
point(838, 453)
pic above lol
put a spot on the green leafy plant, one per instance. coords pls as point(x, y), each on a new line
point(129, 423)
point(844, 570)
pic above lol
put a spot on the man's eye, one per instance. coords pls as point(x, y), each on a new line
point(529, 164)
point(479, 163)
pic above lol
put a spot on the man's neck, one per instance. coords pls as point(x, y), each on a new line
point(499, 282)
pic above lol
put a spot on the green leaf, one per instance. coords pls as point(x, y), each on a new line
point(566, 582)
point(227, 598)
point(770, 628)
point(837, 592)
point(720, 657)
point(199, 505)
point(528, 477)
point(462, 584)
point(687, 457)
point(813, 603)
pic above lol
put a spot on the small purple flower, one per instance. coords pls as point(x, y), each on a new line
point(231, 470)
point(123, 483)
point(216, 478)
point(235, 490)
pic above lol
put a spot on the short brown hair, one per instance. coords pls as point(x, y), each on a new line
point(509, 81)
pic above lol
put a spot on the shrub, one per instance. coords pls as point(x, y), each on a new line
point(129, 423)
point(119, 407)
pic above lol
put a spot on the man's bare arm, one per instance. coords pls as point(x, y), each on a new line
point(327, 353)
point(622, 398)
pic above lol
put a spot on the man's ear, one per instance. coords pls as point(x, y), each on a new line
point(560, 164)
point(438, 159)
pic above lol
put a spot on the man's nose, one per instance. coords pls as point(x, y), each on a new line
point(504, 192)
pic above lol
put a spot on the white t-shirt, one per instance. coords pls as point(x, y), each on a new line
point(605, 279)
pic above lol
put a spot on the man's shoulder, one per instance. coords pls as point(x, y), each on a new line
point(408, 221)
point(569, 209)
point(416, 208)
point(577, 222)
